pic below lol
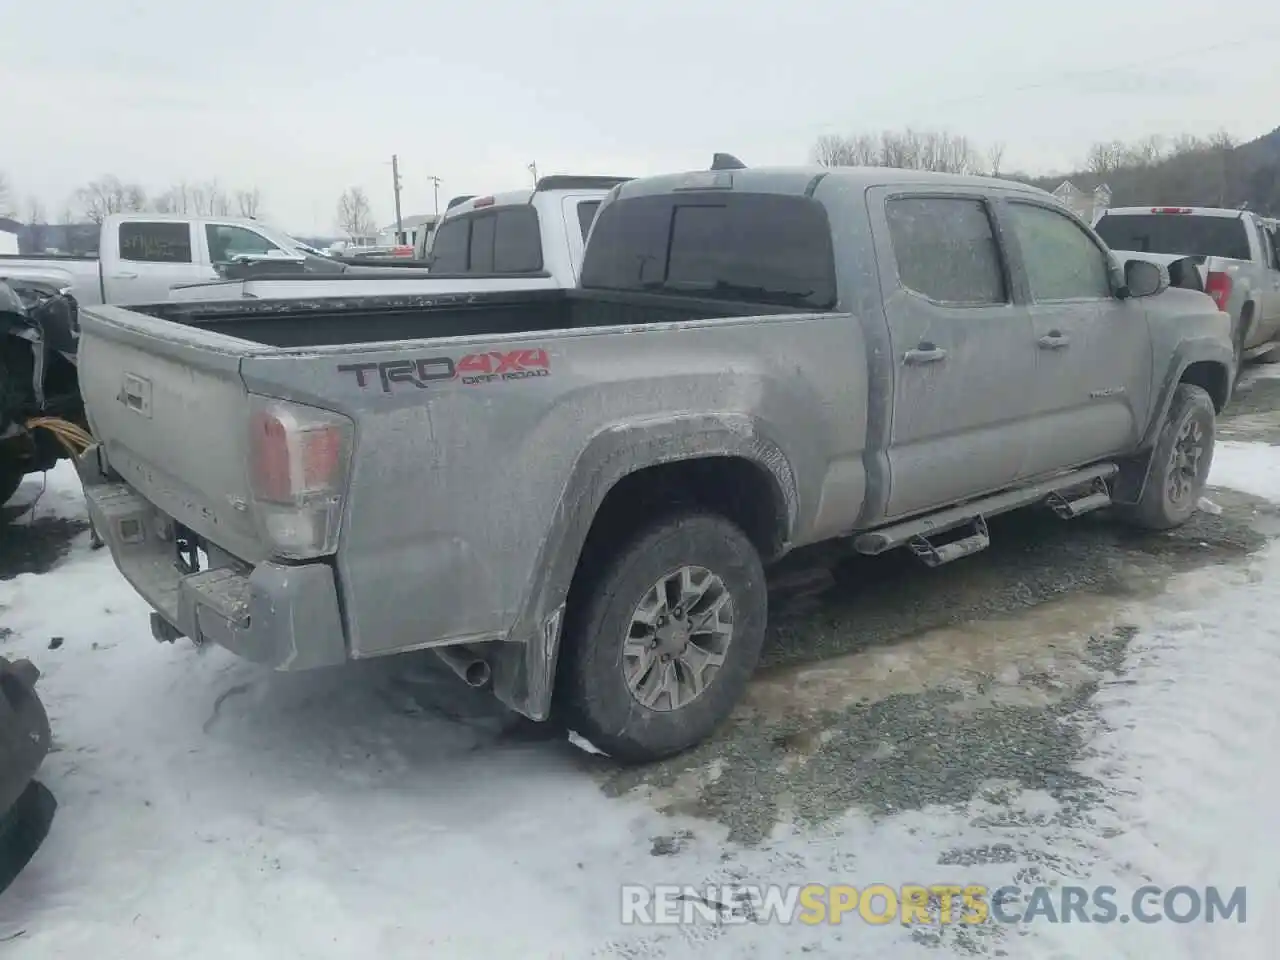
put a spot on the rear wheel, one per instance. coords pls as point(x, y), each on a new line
point(1179, 463)
point(663, 637)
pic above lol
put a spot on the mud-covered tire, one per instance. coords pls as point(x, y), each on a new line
point(595, 698)
point(1190, 411)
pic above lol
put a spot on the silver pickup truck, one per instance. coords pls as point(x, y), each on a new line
point(572, 495)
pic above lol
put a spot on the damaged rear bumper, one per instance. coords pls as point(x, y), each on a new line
point(281, 615)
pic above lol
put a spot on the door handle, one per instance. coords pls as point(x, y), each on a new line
point(925, 353)
point(124, 275)
point(1053, 340)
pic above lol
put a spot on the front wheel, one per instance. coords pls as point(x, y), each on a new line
point(1179, 463)
point(662, 639)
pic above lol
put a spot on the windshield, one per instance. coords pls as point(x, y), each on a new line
point(1176, 233)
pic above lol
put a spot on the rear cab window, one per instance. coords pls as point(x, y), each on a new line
point(755, 248)
point(157, 241)
point(1184, 234)
point(505, 240)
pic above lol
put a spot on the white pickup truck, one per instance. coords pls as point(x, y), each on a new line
point(142, 256)
point(518, 240)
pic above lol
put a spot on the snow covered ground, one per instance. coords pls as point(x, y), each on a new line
point(211, 809)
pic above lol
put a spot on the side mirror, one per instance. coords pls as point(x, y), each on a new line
point(1142, 278)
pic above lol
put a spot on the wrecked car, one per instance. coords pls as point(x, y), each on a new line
point(41, 414)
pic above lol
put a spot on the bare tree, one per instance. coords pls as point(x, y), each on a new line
point(249, 202)
point(101, 198)
point(6, 197)
point(35, 211)
point(906, 149)
point(1104, 158)
point(218, 200)
point(174, 200)
point(355, 218)
point(995, 157)
point(832, 150)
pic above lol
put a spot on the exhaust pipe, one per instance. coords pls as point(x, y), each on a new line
point(473, 670)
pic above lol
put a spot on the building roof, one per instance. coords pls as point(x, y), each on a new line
point(408, 223)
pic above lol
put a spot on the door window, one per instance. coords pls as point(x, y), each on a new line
point(155, 241)
point(226, 242)
point(1061, 260)
point(946, 249)
point(586, 213)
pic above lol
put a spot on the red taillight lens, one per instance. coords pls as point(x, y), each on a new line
point(1218, 286)
point(269, 458)
point(298, 462)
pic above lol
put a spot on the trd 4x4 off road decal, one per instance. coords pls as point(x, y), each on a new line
point(473, 368)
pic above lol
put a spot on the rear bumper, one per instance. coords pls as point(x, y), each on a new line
point(284, 616)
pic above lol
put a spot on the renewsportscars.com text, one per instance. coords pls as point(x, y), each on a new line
point(933, 904)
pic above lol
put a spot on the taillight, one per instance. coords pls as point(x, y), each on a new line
point(1218, 286)
point(299, 458)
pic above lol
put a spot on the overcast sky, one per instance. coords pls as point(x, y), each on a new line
point(305, 99)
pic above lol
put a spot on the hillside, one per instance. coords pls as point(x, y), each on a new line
point(1192, 173)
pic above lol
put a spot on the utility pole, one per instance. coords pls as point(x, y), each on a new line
point(533, 168)
point(395, 178)
point(435, 190)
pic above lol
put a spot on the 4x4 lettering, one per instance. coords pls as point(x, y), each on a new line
point(476, 363)
point(509, 361)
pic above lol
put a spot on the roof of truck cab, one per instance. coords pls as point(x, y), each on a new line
point(1224, 212)
point(798, 180)
point(511, 198)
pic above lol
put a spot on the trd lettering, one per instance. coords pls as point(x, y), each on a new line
point(474, 368)
point(420, 373)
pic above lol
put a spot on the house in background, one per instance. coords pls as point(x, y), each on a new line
point(1088, 206)
point(413, 228)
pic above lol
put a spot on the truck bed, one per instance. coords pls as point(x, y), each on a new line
point(336, 321)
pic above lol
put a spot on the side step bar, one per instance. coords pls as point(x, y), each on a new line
point(918, 533)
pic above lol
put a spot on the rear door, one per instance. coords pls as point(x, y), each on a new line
point(1093, 361)
point(962, 349)
point(142, 259)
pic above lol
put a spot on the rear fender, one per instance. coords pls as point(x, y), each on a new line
point(524, 669)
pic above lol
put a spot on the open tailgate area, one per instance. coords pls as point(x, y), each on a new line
point(167, 403)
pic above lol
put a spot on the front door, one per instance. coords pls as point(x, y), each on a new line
point(1093, 364)
point(962, 350)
